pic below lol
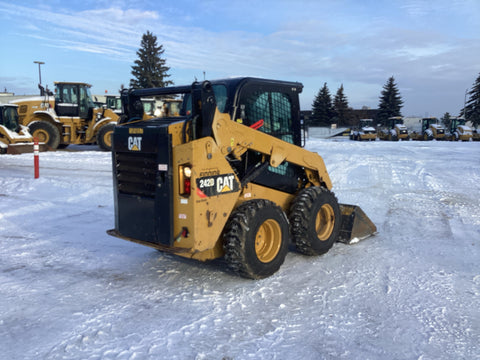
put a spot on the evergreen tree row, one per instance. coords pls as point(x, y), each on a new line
point(325, 112)
point(150, 70)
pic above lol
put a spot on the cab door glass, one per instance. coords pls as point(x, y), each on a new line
point(10, 118)
point(66, 100)
point(83, 103)
point(274, 108)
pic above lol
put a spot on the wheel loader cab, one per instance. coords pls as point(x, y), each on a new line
point(73, 100)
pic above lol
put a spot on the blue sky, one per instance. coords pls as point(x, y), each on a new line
point(432, 48)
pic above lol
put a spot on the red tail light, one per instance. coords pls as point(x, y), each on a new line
point(185, 179)
point(187, 189)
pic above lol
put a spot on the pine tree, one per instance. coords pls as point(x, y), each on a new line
point(150, 69)
point(340, 108)
point(390, 102)
point(322, 110)
point(471, 112)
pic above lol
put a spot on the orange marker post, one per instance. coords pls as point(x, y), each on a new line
point(36, 160)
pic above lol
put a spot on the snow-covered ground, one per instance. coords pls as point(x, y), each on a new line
point(70, 291)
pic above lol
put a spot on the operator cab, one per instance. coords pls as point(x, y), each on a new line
point(456, 122)
point(426, 122)
point(114, 103)
point(9, 117)
point(249, 100)
point(73, 100)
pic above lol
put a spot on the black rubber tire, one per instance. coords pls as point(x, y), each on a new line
point(45, 132)
point(243, 230)
point(103, 135)
point(315, 207)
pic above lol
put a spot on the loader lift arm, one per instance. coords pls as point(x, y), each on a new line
point(228, 133)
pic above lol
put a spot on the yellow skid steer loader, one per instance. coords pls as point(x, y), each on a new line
point(228, 178)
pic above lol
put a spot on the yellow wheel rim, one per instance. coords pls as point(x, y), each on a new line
point(268, 241)
point(324, 222)
point(107, 138)
point(41, 135)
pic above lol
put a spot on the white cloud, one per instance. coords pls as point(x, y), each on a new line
point(119, 16)
point(91, 30)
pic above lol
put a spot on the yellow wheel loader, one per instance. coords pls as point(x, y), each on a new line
point(227, 178)
point(69, 117)
point(14, 138)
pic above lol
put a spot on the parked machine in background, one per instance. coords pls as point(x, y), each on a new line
point(170, 107)
point(227, 178)
point(14, 138)
point(149, 106)
point(394, 130)
point(365, 131)
point(431, 130)
point(114, 102)
point(475, 134)
point(459, 131)
point(68, 117)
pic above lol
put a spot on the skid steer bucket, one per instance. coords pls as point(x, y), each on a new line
point(356, 225)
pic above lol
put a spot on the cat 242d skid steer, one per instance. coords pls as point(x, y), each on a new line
point(229, 177)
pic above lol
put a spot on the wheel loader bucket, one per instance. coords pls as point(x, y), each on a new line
point(356, 225)
point(22, 148)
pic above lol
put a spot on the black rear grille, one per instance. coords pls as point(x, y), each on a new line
point(136, 173)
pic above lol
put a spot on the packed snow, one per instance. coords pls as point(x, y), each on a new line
point(70, 291)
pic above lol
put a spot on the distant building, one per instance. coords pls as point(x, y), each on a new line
point(365, 113)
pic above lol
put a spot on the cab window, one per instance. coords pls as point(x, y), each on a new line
point(10, 118)
point(274, 108)
point(221, 98)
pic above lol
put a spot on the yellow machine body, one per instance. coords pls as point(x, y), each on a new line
point(68, 117)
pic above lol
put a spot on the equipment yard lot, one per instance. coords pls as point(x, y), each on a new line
point(68, 290)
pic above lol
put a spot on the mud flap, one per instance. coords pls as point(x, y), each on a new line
point(22, 148)
point(356, 225)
